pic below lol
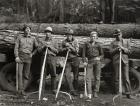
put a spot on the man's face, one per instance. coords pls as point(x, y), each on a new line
point(48, 35)
point(119, 37)
point(69, 37)
point(93, 37)
point(27, 30)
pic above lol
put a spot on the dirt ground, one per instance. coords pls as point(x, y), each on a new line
point(105, 99)
point(63, 100)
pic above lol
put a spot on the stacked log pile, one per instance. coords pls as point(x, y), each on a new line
point(8, 34)
point(104, 30)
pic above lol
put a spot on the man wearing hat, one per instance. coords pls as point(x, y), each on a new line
point(50, 66)
point(24, 50)
point(72, 64)
point(92, 55)
point(119, 44)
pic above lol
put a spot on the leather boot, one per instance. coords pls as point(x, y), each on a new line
point(74, 93)
point(53, 85)
point(95, 95)
point(75, 84)
point(129, 96)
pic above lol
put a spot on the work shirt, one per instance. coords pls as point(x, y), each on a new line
point(53, 46)
point(92, 50)
point(24, 47)
point(74, 43)
point(115, 52)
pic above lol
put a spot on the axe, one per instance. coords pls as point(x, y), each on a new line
point(42, 75)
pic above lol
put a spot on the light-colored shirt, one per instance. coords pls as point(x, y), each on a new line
point(25, 45)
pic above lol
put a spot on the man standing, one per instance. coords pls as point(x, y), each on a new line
point(50, 66)
point(24, 47)
point(123, 46)
point(72, 64)
point(92, 55)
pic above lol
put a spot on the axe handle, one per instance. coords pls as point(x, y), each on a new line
point(60, 81)
point(120, 73)
point(17, 77)
point(85, 74)
point(42, 74)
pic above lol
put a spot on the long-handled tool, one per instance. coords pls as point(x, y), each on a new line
point(17, 77)
point(120, 74)
point(85, 87)
point(120, 78)
point(61, 78)
point(85, 94)
point(42, 74)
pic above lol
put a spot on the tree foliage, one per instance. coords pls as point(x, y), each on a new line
point(69, 11)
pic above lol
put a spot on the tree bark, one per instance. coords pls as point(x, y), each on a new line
point(113, 11)
point(7, 40)
point(104, 30)
point(61, 16)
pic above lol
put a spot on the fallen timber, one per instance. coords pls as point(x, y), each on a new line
point(7, 41)
point(104, 30)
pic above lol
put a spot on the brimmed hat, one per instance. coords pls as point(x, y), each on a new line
point(117, 32)
point(48, 29)
point(93, 32)
point(70, 32)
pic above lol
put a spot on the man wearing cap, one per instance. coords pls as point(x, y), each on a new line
point(72, 64)
point(92, 55)
point(50, 66)
point(24, 50)
point(119, 44)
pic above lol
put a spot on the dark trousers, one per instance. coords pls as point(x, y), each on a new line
point(23, 75)
point(93, 72)
point(72, 66)
point(125, 77)
point(50, 68)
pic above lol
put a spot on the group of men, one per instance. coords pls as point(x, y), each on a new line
point(92, 55)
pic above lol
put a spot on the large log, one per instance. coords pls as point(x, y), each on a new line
point(7, 40)
point(104, 30)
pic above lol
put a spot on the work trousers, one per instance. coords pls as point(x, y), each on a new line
point(72, 65)
point(125, 77)
point(93, 72)
point(23, 75)
point(50, 68)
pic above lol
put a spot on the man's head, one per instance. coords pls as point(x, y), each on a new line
point(48, 32)
point(93, 36)
point(118, 34)
point(27, 30)
point(69, 35)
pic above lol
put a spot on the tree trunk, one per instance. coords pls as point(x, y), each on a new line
point(104, 30)
point(113, 11)
point(61, 17)
point(18, 6)
point(7, 40)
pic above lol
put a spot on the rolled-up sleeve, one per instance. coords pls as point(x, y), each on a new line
point(128, 49)
point(36, 43)
point(101, 52)
point(76, 45)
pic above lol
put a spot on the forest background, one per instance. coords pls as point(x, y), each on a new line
point(70, 11)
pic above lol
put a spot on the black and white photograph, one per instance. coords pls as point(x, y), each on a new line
point(69, 52)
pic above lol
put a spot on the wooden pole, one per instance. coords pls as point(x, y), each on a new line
point(85, 74)
point(42, 75)
point(61, 78)
point(17, 77)
point(120, 74)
